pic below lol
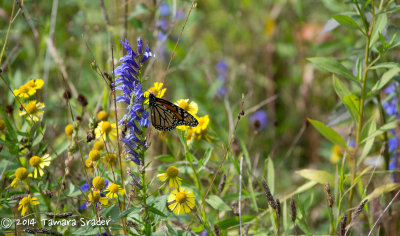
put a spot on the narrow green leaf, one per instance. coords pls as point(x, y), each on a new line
point(340, 89)
point(368, 129)
point(385, 79)
point(328, 133)
point(127, 212)
point(318, 176)
point(217, 203)
point(346, 21)
point(352, 104)
point(379, 26)
point(333, 66)
point(233, 221)
point(252, 195)
point(245, 153)
point(387, 65)
point(166, 158)
point(381, 130)
point(382, 189)
point(271, 175)
point(189, 157)
point(206, 158)
point(156, 211)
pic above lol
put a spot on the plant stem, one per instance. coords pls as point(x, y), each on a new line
point(362, 100)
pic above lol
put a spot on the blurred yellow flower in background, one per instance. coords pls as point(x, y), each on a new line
point(32, 110)
point(24, 91)
point(36, 84)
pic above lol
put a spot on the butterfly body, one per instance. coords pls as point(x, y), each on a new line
point(165, 116)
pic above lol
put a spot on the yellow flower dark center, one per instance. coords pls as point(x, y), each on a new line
point(98, 145)
point(181, 197)
point(21, 173)
point(35, 161)
point(95, 197)
point(24, 201)
point(113, 188)
point(110, 158)
point(172, 172)
point(94, 155)
point(31, 84)
point(102, 115)
point(89, 163)
point(98, 183)
point(106, 127)
point(24, 89)
point(184, 105)
point(31, 108)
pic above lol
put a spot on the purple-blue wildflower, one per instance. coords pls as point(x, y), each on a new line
point(390, 107)
point(129, 82)
point(259, 119)
point(164, 9)
point(221, 68)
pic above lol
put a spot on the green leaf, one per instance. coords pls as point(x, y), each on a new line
point(233, 221)
point(381, 130)
point(385, 79)
point(352, 104)
point(189, 157)
point(127, 212)
point(333, 66)
point(346, 21)
point(206, 158)
point(166, 158)
point(340, 89)
point(318, 176)
point(328, 133)
point(245, 153)
point(271, 175)
point(217, 203)
point(368, 129)
point(381, 190)
point(252, 195)
point(379, 26)
point(387, 65)
point(156, 211)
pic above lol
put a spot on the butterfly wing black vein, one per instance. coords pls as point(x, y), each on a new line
point(165, 116)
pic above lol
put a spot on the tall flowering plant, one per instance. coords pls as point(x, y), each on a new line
point(129, 81)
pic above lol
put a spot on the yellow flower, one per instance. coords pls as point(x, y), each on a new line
point(110, 159)
point(69, 130)
point(36, 84)
point(98, 145)
point(157, 90)
point(39, 163)
point(26, 202)
point(200, 131)
point(114, 189)
point(191, 107)
point(32, 110)
point(106, 129)
point(102, 115)
point(2, 125)
point(171, 174)
point(98, 183)
point(89, 164)
point(338, 152)
point(181, 201)
point(21, 174)
point(97, 198)
point(269, 27)
point(94, 155)
point(24, 91)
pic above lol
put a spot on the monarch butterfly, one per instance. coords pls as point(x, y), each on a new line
point(165, 116)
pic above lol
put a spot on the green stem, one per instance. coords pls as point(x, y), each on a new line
point(362, 99)
point(8, 31)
